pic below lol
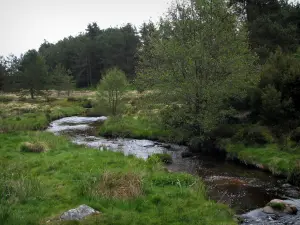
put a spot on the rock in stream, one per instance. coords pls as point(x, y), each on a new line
point(268, 215)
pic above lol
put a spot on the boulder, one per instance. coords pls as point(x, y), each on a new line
point(280, 206)
point(78, 213)
point(269, 210)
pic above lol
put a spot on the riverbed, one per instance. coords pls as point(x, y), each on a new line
point(242, 188)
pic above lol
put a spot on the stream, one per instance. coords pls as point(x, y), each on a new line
point(242, 188)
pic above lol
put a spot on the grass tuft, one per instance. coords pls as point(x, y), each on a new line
point(37, 147)
point(119, 185)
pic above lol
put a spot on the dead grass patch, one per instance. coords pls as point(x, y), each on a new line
point(119, 185)
point(37, 147)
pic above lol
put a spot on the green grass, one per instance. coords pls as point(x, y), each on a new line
point(20, 116)
point(139, 128)
point(270, 157)
point(39, 187)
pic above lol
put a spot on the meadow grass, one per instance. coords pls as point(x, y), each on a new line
point(35, 115)
point(268, 157)
point(139, 127)
point(38, 187)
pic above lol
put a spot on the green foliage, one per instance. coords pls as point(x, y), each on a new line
point(276, 100)
point(295, 135)
point(254, 135)
point(33, 74)
point(61, 80)
point(201, 73)
point(273, 107)
point(110, 90)
point(162, 157)
point(195, 144)
point(31, 183)
point(271, 24)
point(90, 54)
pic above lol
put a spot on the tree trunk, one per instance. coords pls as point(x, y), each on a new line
point(31, 93)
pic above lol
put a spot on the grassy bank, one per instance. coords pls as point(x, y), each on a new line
point(269, 157)
point(16, 115)
point(37, 187)
point(139, 127)
point(266, 154)
point(134, 127)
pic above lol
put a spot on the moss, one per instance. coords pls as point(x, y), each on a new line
point(277, 205)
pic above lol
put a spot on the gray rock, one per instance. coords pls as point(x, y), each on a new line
point(265, 216)
point(268, 210)
point(78, 213)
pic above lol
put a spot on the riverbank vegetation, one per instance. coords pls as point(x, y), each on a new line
point(218, 76)
point(236, 92)
point(37, 187)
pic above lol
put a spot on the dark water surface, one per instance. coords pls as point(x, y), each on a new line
point(242, 188)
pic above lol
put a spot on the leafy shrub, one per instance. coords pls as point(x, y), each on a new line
point(254, 135)
point(33, 147)
point(295, 135)
point(87, 103)
point(225, 131)
point(73, 99)
point(195, 144)
point(165, 158)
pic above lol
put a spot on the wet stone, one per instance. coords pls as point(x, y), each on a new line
point(78, 213)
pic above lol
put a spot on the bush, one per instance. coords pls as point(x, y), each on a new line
point(33, 147)
point(195, 144)
point(254, 135)
point(225, 131)
point(73, 99)
point(87, 103)
point(163, 157)
point(295, 135)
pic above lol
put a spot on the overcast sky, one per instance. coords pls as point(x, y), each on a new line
point(26, 23)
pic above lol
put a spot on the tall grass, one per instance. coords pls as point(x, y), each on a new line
point(16, 117)
point(126, 190)
point(139, 128)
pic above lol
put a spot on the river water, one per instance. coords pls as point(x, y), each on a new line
point(242, 188)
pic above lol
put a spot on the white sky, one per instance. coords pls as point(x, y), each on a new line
point(26, 23)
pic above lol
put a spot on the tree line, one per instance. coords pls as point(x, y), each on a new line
point(220, 66)
point(84, 58)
